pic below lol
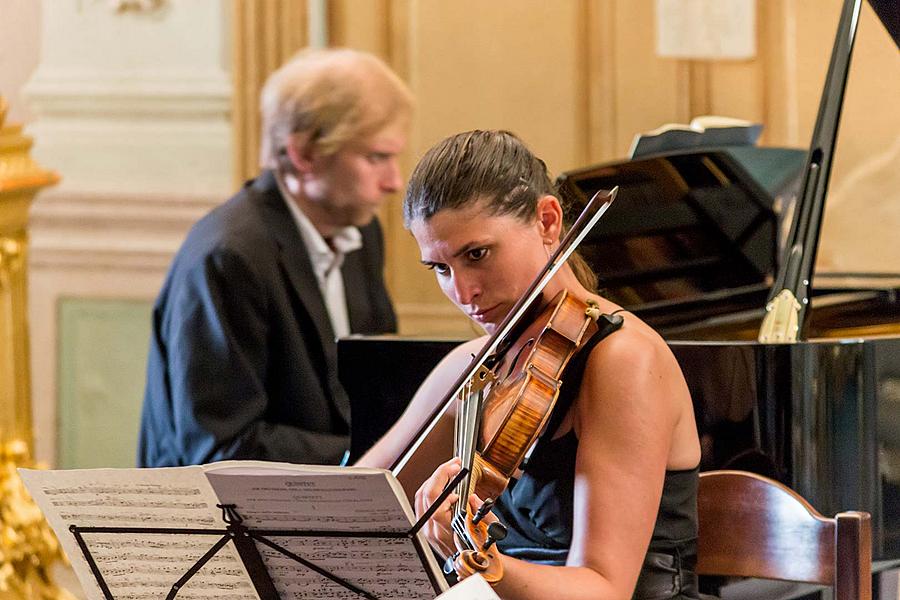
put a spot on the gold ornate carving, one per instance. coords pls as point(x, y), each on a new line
point(28, 548)
point(18, 172)
point(20, 179)
point(27, 545)
point(136, 6)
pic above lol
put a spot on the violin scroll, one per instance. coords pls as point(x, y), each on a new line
point(479, 554)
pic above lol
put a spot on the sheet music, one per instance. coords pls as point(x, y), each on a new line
point(140, 566)
point(326, 499)
point(470, 588)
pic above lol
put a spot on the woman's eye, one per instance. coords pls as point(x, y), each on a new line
point(439, 268)
point(477, 254)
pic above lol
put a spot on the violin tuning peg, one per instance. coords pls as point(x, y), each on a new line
point(483, 510)
point(496, 532)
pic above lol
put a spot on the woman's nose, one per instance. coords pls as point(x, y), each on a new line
point(466, 290)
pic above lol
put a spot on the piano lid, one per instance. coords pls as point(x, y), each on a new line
point(687, 225)
point(889, 13)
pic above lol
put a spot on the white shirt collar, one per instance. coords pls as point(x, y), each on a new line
point(326, 263)
point(323, 258)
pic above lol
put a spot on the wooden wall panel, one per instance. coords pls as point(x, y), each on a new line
point(776, 49)
point(649, 90)
point(509, 65)
point(265, 33)
point(736, 90)
point(361, 25)
point(863, 210)
point(506, 65)
point(522, 66)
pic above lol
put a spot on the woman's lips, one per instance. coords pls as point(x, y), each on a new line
point(484, 315)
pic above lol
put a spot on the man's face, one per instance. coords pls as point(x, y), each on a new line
point(348, 187)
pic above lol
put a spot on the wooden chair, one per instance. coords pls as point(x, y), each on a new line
point(753, 526)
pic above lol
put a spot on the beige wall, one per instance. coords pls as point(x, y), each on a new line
point(578, 79)
point(19, 51)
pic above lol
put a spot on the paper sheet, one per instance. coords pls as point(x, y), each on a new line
point(352, 500)
point(271, 498)
point(470, 588)
point(140, 566)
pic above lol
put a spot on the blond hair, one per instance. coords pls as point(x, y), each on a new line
point(337, 95)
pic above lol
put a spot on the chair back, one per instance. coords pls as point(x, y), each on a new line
point(753, 526)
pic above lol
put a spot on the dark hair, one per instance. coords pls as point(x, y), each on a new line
point(494, 167)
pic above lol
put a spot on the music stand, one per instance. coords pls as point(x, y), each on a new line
point(244, 540)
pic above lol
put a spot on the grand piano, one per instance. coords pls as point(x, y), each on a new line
point(695, 245)
point(691, 249)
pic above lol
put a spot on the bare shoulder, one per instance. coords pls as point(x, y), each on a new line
point(636, 345)
point(462, 354)
point(634, 396)
point(633, 368)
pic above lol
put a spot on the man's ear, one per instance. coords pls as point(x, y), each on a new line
point(300, 152)
point(550, 218)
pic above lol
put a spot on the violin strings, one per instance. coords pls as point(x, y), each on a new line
point(459, 435)
point(467, 420)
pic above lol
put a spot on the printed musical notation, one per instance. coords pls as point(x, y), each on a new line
point(134, 565)
point(288, 502)
point(331, 501)
point(315, 500)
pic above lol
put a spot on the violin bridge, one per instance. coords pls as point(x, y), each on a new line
point(481, 379)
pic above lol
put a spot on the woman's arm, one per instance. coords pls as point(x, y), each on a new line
point(433, 389)
point(631, 400)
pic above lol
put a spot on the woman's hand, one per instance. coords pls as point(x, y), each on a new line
point(438, 529)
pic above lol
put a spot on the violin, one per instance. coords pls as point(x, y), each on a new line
point(504, 400)
point(508, 421)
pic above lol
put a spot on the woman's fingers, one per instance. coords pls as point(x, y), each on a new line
point(438, 530)
point(429, 492)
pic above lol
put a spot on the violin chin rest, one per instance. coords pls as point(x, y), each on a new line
point(613, 321)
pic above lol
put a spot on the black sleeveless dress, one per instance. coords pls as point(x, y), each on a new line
point(537, 508)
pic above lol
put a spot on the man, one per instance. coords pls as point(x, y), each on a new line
point(243, 358)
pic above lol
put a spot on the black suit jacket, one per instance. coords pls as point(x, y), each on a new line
point(243, 358)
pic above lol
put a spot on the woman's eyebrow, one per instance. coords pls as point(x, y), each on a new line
point(468, 246)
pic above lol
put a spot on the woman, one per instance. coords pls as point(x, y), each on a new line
point(616, 470)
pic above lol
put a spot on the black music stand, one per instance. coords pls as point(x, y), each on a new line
point(244, 540)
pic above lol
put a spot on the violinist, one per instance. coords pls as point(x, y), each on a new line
point(605, 505)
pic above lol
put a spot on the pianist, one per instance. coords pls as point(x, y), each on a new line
point(242, 357)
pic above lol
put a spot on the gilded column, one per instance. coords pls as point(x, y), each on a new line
point(27, 546)
point(20, 180)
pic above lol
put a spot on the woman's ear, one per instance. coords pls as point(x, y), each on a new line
point(300, 150)
point(550, 218)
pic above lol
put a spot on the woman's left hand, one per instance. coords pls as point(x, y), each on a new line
point(438, 529)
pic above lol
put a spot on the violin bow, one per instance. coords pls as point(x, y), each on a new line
point(595, 208)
